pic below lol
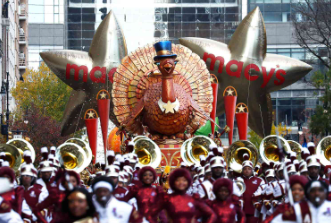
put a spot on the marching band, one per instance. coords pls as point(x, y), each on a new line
point(221, 186)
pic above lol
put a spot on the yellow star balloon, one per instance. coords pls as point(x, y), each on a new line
point(88, 73)
point(245, 65)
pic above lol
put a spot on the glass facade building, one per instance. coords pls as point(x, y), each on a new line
point(215, 20)
point(46, 28)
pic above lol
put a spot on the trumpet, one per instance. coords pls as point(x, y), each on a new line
point(269, 147)
point(323, 150)
point(236, 152)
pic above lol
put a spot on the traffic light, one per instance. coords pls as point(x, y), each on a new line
point(10, 135)
point(4, 129)
point(104, 12)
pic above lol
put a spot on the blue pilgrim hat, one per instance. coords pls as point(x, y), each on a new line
point(163, 49)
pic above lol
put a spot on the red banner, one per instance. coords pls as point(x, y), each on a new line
point(92, 133)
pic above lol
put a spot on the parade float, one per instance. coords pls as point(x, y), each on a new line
point(160, 94)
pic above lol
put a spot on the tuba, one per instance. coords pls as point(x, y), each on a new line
point(85, 147)
point(72, 157)
point(295, 147)
point(269, 147)
point(13, 156)
point(149, 154)
point(323, 150)
point(23, 145)
point(193, 148)
point(236, 153)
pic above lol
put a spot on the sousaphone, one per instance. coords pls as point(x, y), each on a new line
point(193, 148)
point(85, 147)
point(148, 152)
point(72, 157)
point(323, 150)
point(13, 156)
point(269, 148)
point(295, 147)
point(22, 146)
point(236, 151)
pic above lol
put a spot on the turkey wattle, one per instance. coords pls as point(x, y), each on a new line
point(167, 95)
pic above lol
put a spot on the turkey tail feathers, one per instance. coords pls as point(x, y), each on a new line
point(138, 72)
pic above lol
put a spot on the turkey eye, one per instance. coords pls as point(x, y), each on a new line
point(176, 62)
point(157, 63)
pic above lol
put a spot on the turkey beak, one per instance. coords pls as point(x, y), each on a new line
point(168, 67)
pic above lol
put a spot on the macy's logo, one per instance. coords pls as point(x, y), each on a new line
point(239, 64)
point(97, 74)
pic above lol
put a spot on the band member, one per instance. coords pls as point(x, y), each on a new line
point(27, 179)
point(15, 196)
point(108, 207)
point(180, 206)
point(297, 185)
point(39, 192)
point(7, 214)
point(74, 178)
point(314, 167)
point(146, 195)
point(252, 183)
point(223, 206)
point(205, 190)
point(315, 209)
point(77, 206)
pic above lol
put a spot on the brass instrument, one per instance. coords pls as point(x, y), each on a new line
point(184, 154)
point(236, 153)
point(72, 156)
point(23, 145)
point(85, 147)
point(193, 148)
point(323, 150)
point(241, 185)
point(13, 156)
point(149, 154)
point(295, 147)
point(269, 147)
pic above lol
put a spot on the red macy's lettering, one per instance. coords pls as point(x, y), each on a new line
point(239, 64)
point(84, 69)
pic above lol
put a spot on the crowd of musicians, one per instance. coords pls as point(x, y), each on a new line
point(122, 191)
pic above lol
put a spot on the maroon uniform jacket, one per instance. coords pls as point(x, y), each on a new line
point(15, 198)
point(120, 193)
point(32, 199)
point(226, 211)
point(146, 196)
point(252, 183)
point(182, 208)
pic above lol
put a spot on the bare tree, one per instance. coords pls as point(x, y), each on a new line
point(312, 24)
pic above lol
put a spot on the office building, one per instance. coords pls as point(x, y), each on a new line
point(46, 28)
